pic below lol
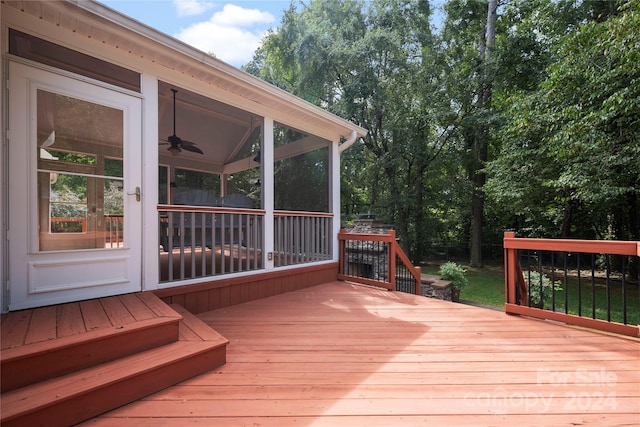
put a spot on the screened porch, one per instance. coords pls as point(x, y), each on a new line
point(220, 198)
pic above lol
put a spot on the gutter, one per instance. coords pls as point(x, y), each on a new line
point(349, 142)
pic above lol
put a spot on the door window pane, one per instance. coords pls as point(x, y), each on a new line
point(80, 174)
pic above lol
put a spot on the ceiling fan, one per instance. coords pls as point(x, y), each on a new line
point(177, 144)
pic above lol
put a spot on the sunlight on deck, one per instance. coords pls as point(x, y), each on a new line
point(344, 355)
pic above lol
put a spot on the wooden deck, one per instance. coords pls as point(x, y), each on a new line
point(339, 354)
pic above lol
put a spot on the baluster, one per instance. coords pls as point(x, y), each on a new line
point(578, 258)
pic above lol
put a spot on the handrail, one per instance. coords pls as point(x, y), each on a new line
point(217, 209)
point(393, 250)
point(548, 255)
point(570, 245)
point(303, 213)
point(81, 220)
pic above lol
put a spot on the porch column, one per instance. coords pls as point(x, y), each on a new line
point(149, 199)
point(334, 197)
point(268, 191)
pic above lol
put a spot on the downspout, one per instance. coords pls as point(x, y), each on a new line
point(349, 142)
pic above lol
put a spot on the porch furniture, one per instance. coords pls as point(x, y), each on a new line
point(227, 227)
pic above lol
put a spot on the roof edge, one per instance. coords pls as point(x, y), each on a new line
point(158, 37)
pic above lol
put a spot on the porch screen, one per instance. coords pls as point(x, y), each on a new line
point(80, 174)
point(301, 171)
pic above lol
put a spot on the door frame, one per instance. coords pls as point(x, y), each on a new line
point(38, 278)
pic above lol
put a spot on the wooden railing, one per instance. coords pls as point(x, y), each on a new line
point(377, 260)
point(590, 283)
point(113, 228)
point(301, 237)
point(58, 221)
point(114, 231)
point(198, 241)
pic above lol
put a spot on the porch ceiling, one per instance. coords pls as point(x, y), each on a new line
point(218, 129)
point(110, 28)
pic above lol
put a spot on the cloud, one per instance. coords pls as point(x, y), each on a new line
point(232, 34)
point(191, 7)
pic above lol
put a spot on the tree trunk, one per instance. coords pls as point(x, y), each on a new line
point(481, 137)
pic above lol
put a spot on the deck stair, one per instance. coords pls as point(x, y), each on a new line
point(64, 364)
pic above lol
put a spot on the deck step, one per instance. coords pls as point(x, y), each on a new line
point(86, 393)
point(30, 364)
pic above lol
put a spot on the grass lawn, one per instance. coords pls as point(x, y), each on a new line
point(593, 300)
point(486, 285)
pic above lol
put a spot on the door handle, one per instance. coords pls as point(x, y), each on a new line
point(137, 194)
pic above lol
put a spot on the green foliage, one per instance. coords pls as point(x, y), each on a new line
point(67, 203)
point(559, 129)
point(376, 64)
point(113, 200)
point(540, 288)
point(569, 147)
point(454, 273)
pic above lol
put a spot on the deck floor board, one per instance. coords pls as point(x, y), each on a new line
point(42, 326)
point(70, 321)
point(345, 355)
point(117, 312)
point(93, 315)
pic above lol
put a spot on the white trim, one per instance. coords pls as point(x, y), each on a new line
point(149, 199)
point(268, 191)
point(335, 197)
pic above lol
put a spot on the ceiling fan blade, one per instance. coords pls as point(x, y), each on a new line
point(190, 146)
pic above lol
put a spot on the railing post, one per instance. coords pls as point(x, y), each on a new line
point(510, 271)
point(419, 282)
point(392, 258)
point(342, 249)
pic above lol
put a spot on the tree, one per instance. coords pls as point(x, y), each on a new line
point(375, 64)
point(469, 36)
point(570, 151)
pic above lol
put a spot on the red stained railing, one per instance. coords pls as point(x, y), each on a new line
point(590, 283)
point(377, 260)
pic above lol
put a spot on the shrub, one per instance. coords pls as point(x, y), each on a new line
point(454, 273)
point(534, 279)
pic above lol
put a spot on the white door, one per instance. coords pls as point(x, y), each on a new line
point(74, 182)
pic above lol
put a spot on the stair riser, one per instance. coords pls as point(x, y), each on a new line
point(51, 363)
point(117, 393)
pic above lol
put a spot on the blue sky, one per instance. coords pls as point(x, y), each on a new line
point(231, 29)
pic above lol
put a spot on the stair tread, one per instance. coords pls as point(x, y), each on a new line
point(80, 339)
point(199, 328)
point(66, 387)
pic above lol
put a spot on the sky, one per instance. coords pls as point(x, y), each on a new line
point(230, 29)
